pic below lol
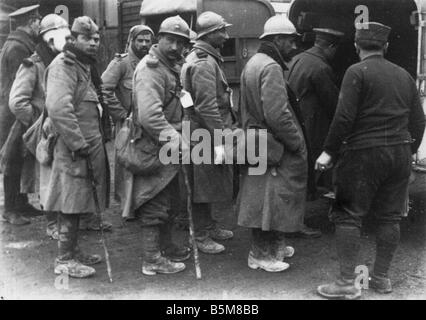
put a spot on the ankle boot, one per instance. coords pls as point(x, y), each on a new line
point(153, 261)
point(161, 264)
point(379, 284)
point(340, 289)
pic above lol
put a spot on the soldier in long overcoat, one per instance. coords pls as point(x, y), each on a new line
point(272, 203)
point(27, 99)
point(72, 106)
point(118, 83)
point(204, 78)
point(156, 94)
point(19, 45)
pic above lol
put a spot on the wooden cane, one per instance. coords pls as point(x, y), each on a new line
point(99, 214)
point(191, 222)
point(129, 191)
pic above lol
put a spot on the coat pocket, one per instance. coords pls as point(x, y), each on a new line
point(63, 159)
point(76, 168)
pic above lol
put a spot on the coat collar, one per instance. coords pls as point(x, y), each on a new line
point(206, 47)
point(374, 55)
point(22, 37)
point(317, 52)
point(173, 66)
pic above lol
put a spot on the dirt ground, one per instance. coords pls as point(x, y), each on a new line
point(27, 256)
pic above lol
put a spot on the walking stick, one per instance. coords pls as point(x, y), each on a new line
point(129, 190)
point(99, 214)
point(191, 222)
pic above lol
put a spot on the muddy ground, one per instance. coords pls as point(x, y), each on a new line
point(27, 256)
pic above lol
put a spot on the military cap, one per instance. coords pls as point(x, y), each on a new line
point(372, 32)
point(329, 35)
point(84, 25)
point(30, 11)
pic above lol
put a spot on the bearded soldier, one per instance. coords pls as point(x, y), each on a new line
point(157, 91)
point(205, 80)
point(19, 45)
point(27, 98)
point(117, 80)
point(72, 104)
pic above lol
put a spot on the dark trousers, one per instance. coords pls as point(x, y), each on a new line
point(373, 180)
point(203, 220)
point(13, 197)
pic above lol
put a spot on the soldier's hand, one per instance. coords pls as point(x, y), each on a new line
point(219, 154)
point(324, 162)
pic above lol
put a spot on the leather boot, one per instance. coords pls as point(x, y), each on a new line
point(379, 284)
point(348, 245)
point(153, 261)
point(340, 289)
point(67, 245)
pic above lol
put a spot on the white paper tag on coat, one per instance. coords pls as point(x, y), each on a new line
point(100, 109)
point(186, 99)
point(231, 98)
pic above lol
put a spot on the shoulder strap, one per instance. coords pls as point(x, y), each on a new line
point(133, 111)
point(178, 88)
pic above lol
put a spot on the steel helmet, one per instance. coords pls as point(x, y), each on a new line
point(208, 22)
point(278, 24)
point(51, 22)
point(175, 25)
point(192, 36)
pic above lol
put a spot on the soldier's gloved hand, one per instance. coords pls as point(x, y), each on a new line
point(83, 152)
point(219, 154)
